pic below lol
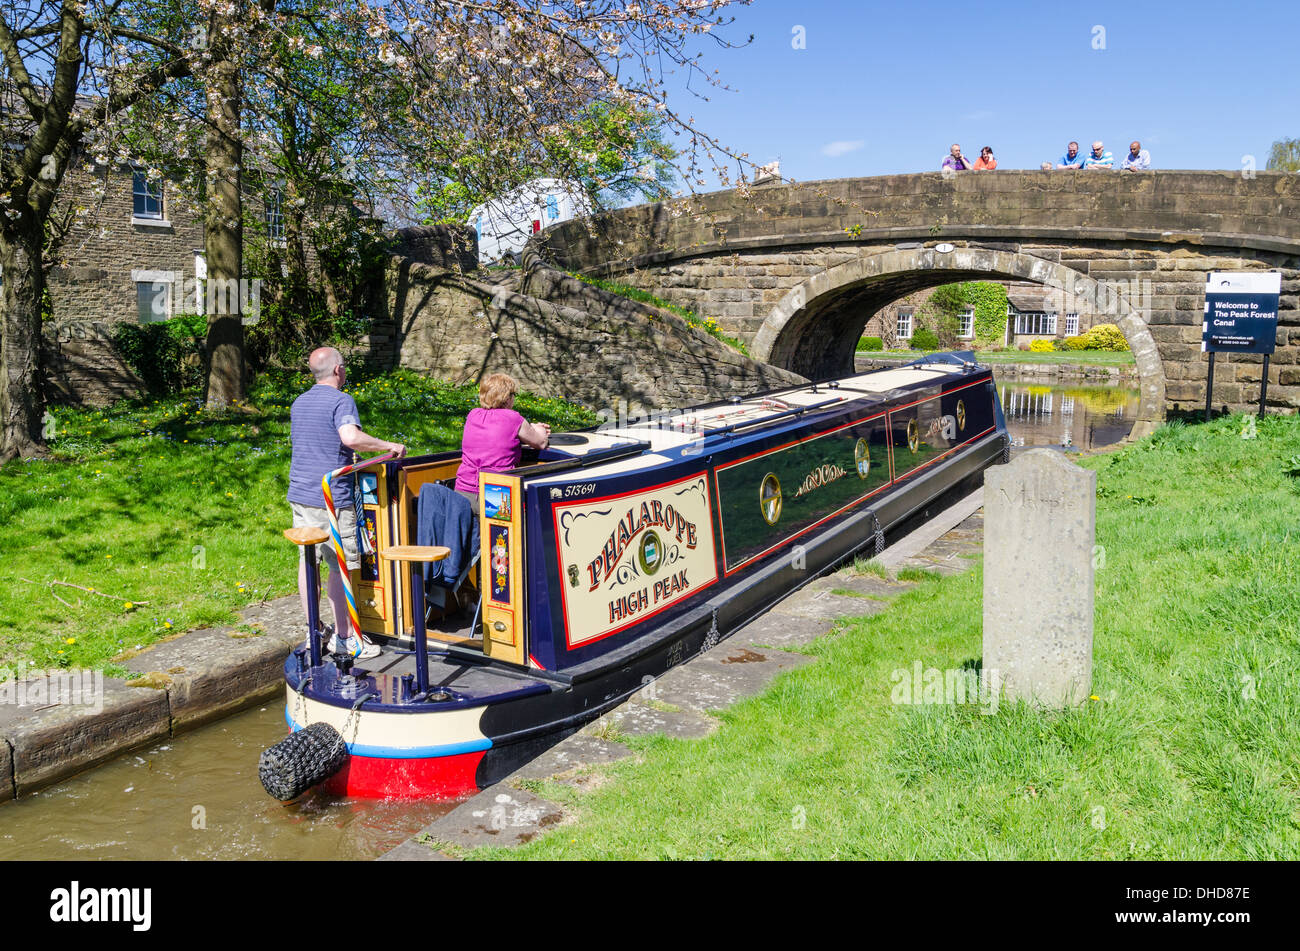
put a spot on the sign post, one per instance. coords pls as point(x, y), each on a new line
point(1240, 317)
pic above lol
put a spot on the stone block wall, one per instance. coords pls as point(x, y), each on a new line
point(458, 328)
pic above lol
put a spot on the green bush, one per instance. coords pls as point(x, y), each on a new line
point(1075, 343)
point(1106, 337)
point(870, 343)
point(925, 339)
point(167, 354)
point(1042, 346)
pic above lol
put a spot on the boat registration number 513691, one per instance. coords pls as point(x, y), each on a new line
point(586, 488)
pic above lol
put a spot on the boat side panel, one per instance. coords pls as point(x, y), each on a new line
point(776, 493)
point(931, 427)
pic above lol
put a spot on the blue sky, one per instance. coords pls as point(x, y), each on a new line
point(894, 84)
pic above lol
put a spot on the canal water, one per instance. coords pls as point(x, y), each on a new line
point(198, 797)
point(1071, 418)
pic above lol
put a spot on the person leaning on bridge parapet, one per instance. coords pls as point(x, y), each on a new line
point(1072, 158)
point(986, 162)
point(955, 161)
point(1099, 158)
point(1138, 158)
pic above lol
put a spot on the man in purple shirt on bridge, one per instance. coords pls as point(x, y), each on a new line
point(325, 428)
point(955, 161)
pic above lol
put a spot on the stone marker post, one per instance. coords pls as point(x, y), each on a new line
point(1040, 522)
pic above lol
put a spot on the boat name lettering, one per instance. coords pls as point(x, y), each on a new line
point(628, 605)
point(822, 475)
point(651, 513)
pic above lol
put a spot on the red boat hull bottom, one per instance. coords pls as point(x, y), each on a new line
point(435, 777)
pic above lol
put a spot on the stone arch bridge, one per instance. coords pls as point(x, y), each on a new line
point(796, 270)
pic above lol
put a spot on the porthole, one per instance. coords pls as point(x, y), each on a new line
point(769, 498)
point(862, 458)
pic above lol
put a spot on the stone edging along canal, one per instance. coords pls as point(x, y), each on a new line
point(181, 682)
point(1085, 374)
point(191, 679)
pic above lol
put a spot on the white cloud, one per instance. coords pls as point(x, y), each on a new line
point(981, 115)
point(836, 149)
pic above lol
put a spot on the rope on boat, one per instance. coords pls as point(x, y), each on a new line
point(354, 642)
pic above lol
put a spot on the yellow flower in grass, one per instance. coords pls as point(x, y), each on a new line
point(128, 605)
point(69, 641)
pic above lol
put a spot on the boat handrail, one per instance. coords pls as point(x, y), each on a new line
point(594, 458)
point(797, 411)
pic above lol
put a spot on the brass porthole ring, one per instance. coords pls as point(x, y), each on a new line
point(862, 458)
point(769, 498)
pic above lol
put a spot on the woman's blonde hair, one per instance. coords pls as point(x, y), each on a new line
point(497, 391)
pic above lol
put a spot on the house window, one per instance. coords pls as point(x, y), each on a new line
point(552, 207)
point(153, 294)
point(1035, 322)
point(967, 328)
point(1071, 325)
point(275, 213)
point(147, 198)
point(153, 301)
point(904, 325)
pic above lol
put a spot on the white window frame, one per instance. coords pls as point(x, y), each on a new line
point(1072, 325)
point(904, 320)
point(1035, 323)
point(167, 279)
point(149, 220)
point(273, 214)
point(966, 329)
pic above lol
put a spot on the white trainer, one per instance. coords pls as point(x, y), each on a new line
point(369, 649)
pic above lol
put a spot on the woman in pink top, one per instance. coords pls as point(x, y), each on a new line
point(495, 434)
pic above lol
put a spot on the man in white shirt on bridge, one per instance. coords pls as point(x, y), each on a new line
point(1137, 160)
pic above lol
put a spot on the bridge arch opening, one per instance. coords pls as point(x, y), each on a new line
point(814, 329)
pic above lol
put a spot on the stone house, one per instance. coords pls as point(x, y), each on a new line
point(135, 254)
point(1034, 312)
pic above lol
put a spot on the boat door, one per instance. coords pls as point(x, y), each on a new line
point(502, 537)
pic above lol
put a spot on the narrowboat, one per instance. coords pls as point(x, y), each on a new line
point(606, 559)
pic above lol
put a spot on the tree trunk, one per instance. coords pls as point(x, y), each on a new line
point(224, 238)
point(22, 400)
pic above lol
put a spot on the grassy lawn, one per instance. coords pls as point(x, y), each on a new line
point(177, 513)
point(1190, 748)
point(1085, 357)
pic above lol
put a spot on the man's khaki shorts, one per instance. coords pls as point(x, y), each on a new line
point(310, 517)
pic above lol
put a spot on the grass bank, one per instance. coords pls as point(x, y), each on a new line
point(1189, 748)
point(169, 517)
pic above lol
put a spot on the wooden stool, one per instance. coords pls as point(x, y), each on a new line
point(307, 539)
point(417, 556)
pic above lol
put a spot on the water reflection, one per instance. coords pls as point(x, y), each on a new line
point(1078, 418)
